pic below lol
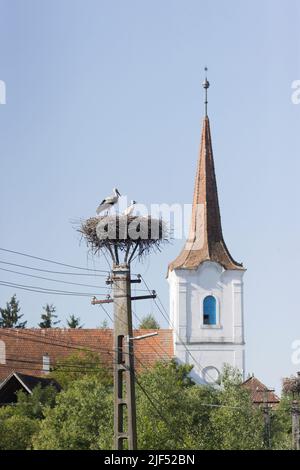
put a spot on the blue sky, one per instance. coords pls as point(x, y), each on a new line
point(109, 93)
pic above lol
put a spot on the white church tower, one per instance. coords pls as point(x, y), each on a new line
point(206, 284)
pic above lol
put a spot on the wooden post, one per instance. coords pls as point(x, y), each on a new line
point(124, 379)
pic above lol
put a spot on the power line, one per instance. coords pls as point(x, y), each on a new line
point(45, 290)
point(27, 336)
point(163, 358)
point(61, 343)
point(91, 367)
point(85, 294)
point(62, 362)
point(41, 291)
point(51, 261)
point(65, 367)
point(37, 369)
point(52, 272)
point(165, 353)
point(32, 337)
point(59, 280)
point(49, 279)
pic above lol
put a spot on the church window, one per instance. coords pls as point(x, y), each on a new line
point(209, 310)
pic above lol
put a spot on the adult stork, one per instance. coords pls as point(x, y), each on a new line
point(108, 202)
point(129, 210)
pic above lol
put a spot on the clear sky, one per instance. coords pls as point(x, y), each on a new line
point(108, 93)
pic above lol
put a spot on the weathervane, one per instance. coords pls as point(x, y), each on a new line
point(205, 85)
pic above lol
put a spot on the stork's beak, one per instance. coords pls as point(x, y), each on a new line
point(118, 193)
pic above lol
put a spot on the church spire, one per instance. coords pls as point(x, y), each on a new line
point(205, 241)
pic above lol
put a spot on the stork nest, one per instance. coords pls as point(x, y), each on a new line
point(121, 234)
point(291, 385)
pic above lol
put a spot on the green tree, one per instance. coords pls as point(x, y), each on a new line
point(74, 322)
point(162, 403)
point(20, 422)
point(149, 323)
point(9, 316)
point(82, 418)
point(16, 431)
point(172, 412)
point(281, 424)
point(190, 416)
point(236, 423)
point(81, 364)
point(32, 406)
point(48, 317)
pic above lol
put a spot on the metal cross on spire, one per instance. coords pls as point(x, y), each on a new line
point(205, 85)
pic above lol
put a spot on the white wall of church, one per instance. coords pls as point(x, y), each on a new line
point(210, 345)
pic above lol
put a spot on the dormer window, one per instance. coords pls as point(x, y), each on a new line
point(209, 310)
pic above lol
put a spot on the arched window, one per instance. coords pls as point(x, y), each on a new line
point(209, 310)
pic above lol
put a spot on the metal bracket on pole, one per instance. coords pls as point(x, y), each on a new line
point(143, 297)
point(149, 335)
point(132, 281)
point(95, 301)
point(109, 300)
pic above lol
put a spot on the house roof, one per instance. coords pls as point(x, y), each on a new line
point(205, 242)
point(260, 393)
point(16, 381)
point(25, 348)
point(30, 381)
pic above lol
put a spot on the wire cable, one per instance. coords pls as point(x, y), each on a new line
point(50, 279)
point(51, 261)
point(52, 272)
point(46, 290)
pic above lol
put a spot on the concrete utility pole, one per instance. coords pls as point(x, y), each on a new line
point(123, 238)
point(124, 374)
point(124, 393)
point(295, 425)
point(296, 414)
point(267, 420)
point(267, 416)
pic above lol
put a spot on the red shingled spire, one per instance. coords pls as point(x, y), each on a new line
point(205, 241)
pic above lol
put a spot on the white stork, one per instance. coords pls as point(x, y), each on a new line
point(129, 210)
point(108, 202)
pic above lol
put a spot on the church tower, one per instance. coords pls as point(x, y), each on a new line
point(206, 283)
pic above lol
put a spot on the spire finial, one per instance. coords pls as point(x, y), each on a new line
point(205, 85)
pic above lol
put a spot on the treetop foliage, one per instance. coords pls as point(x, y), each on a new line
point(179, 415)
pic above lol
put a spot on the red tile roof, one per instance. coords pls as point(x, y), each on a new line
point(205, 241)
point(25, 348)
point(260, 392)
